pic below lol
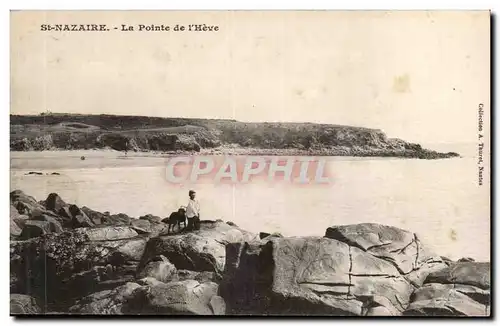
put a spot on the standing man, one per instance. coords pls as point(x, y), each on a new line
point(193, 211)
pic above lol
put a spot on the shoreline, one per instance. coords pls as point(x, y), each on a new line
point(241, 151)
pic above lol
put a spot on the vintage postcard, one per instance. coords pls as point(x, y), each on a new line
point(290, 163)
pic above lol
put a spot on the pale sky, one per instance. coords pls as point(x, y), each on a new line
point(416, 75)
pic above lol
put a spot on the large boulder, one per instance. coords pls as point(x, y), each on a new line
point(185, 297)
point(151, 218)
point(54, 203)
point(218, 305)
point(202, 277)
point(59, 268)
point(155, 274)
point(107, 233)
point(201, 250)
point(21, 304)
point(308, 276)
point(17, 222)
point(23, 203)
point(35, 229)
point(462, 289)
point(434, 299)
point(95, 216)
point(399, 247)
point(188, 251)
point(15, 229)
point(147, 227)
point(266, 236)
point(470, 273)
point(160, 269)
point(116, 219)
point(79, 218)
point(55, 224)
point(97, 278)
point(68, 215)
point(108, 302)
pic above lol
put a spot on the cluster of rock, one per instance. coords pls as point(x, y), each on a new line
point(115, 140)
point(71, 260)
point(408, 151)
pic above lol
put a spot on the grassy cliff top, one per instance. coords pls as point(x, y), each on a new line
point(121, 122)
point(122, 132)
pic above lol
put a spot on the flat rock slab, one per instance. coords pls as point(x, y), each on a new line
point(144, 226)
point(311, 275)
point(107, 233)
point(201, 250)
point(399, 247)
point(185, 297)
point(436, 299)
point(188, 251)
point(110, 302)
point(470, 273)
point(160, 270)
point(35, 229)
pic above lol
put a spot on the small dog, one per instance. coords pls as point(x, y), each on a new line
point(176, 218)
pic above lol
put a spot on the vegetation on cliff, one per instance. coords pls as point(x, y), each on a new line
point(138, 133)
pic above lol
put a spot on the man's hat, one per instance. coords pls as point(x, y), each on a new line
point(191, 192)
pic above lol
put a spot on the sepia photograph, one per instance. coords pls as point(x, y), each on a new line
point(250, 163)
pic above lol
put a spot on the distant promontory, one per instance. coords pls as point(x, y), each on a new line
point(214, 136)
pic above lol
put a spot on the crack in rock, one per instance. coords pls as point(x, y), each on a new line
point(398, 251)
point(375, 275)
point(454, 311)
point(378, 246)
point(332, 292)
point(417, 256)
point(401, 305)
point(325, 283)
point(350, 273)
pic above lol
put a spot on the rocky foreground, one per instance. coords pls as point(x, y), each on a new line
point(71, 260)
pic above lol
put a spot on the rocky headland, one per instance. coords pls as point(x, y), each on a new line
point(212, 136)
point(66, 259)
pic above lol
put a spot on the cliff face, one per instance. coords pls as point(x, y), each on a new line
point(70, 260)
point(176, 134)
